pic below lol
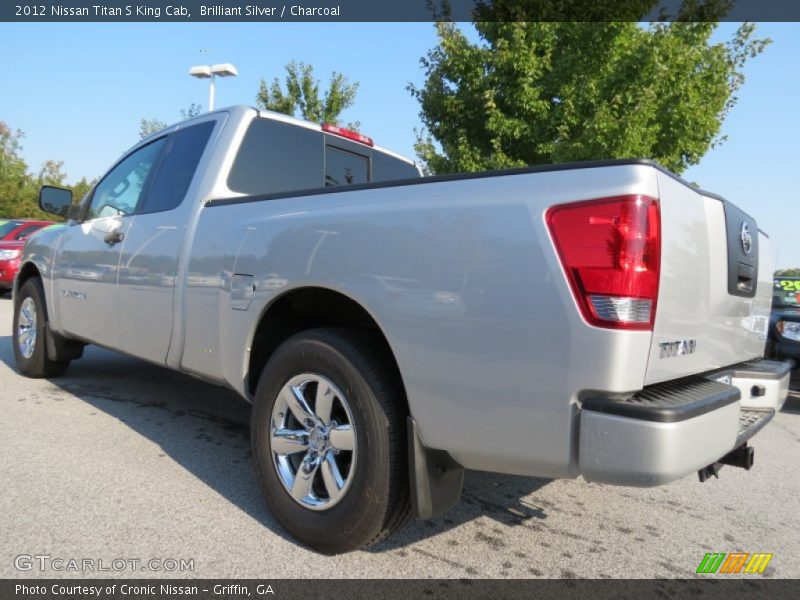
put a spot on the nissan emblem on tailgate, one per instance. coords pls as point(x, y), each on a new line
point(747, 239)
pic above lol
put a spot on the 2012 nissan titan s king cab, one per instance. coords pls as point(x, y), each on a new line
point(600, 319)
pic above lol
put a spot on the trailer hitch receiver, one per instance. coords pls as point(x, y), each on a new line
point(741, 457)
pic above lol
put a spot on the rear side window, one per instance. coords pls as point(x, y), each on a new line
point(277, 157)
point(345, 168)
point(183, 153)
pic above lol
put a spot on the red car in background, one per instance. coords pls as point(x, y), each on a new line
point(13, 234)
point(16, 230)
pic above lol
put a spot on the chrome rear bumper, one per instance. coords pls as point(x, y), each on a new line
point(670, 430)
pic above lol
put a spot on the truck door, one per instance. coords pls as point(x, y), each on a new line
point(149, 263)
point(87, 262)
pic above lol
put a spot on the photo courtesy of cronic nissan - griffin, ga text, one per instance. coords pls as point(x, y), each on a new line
point(601, 319)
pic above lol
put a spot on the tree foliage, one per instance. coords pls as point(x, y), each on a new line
point(194, 110)
point(148, 127)
point(13, 170)
point(302, 96)
point(550, 92)
point(19, 189)
point(787, 273)
point(81, 188)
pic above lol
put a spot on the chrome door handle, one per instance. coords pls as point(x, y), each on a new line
point(114, 237)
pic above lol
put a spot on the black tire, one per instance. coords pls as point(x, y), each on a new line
point(38, 364)
point(377, 501)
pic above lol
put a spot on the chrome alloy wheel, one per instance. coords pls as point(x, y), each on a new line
point(26, 327)
point(313, 441)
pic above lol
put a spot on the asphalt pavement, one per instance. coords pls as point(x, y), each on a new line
point(123, 460)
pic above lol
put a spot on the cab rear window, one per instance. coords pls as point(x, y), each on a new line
point(345, 168)
point(276, 157)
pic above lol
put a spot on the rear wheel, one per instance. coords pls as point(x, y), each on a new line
point(328, 437)
point(30, 318)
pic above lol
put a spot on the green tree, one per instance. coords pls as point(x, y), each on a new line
point(19, 189)
point(51, 174)
point(302, 96)
point(148, 127)
point(81, 188)
point(787, 273)
point(551, 92)
point(14, 177)
point(194, 110)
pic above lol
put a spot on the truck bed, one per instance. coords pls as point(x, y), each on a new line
point(506, 343)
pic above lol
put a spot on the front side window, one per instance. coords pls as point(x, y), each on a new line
point(118, 194)
point(345, 168)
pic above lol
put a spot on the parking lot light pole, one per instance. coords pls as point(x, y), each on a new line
point(210, 73)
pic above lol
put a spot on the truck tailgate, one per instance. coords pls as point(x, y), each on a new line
point(715, 288)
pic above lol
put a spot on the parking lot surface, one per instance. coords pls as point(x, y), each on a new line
point(119, 458)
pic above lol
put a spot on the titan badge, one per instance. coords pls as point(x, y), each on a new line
point(677, 348)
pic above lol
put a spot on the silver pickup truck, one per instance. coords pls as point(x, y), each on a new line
point(601, 319)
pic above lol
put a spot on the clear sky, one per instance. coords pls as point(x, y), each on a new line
point(78, 91)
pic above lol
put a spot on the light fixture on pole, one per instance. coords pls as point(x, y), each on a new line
point(210, 72)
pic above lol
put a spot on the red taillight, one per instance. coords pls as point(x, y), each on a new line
point(611, 251)
point(347, 133)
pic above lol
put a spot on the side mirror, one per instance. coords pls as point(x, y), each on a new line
point(55, 200)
